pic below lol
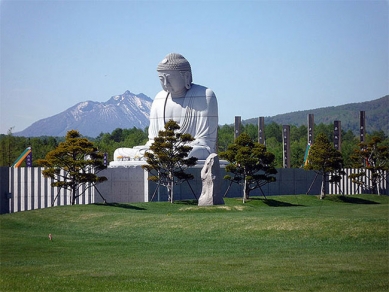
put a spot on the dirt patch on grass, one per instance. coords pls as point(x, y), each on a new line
point(282, 225)
point(210, 208)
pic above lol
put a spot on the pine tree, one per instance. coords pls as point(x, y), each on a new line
point(372, 159)
point(74, 163)
point(167, 158)
point(326, 161)
point(251, 164)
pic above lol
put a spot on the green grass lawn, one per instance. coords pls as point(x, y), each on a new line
point(285, 243)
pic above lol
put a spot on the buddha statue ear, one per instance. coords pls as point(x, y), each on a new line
point(188, 79)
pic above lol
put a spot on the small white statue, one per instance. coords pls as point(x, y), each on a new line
point(193, 107)
point(211, 193)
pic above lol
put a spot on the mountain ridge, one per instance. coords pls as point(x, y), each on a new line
point(126, 110)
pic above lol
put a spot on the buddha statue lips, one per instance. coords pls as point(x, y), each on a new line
point(193, 107)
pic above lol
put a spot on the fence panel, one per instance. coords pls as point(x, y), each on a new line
point(30, 190)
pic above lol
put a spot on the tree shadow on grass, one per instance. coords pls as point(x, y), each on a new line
point(275, 203)
point(352, 200)
point(187, 202)
point(124, 206)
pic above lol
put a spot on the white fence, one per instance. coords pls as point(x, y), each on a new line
point(25, 189)
point(29, 190)
point(347, 187)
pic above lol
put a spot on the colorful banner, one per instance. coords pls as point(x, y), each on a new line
point(22, 157)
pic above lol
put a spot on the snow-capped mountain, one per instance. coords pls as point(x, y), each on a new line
point(91, 118)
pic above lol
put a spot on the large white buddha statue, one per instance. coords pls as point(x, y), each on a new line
point(193, 107)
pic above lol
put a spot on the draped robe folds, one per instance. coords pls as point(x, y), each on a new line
point(196, 114)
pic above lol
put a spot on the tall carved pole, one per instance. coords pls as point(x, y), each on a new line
point(286, 143)
point(261, 130)
point(362, 126)
point(311, 124)
point(237, 127)
point(338, 135)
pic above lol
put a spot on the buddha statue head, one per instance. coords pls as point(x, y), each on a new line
point(175, 74)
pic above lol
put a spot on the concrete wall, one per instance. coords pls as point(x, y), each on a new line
point(124, 181)
point(289, 182)
point(123, 185)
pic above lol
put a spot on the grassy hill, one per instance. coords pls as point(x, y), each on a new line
point(377, 116)
point(286, 243)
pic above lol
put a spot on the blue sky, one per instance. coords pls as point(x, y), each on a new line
point(261, 58)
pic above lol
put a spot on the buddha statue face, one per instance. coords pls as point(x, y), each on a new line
point(175, 82)
point(175, 74)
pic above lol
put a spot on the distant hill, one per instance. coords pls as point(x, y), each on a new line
point(90, 118)
point(376, 115)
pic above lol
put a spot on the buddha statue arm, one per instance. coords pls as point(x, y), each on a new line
point(156, 117)
point(206, 121)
